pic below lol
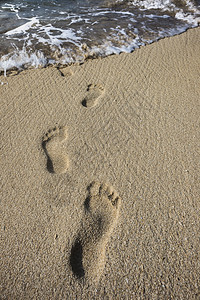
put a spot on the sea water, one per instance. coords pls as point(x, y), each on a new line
point(36, 33)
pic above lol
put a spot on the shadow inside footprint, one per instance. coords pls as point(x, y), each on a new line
point(76, 259)
point(84, 103)
point(87, 204)
point(49, 162)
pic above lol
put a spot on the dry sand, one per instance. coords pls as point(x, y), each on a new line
point(129, 121)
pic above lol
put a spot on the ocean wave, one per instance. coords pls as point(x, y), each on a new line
point(22, 59)
point(38, 33)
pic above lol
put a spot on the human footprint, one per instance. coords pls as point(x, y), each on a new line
point(57, 159)
point(94, 91)
point(102, 207)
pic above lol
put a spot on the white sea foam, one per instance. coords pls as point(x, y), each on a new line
point(65, 35)
point(188, 18)
point(20, 58)
point(23, 28)
point(151, 16)
point(12, 8)
point(154, 4)
point(168, 5)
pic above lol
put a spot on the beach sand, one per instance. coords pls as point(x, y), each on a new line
point(99, 177)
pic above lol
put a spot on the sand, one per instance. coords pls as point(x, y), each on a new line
point(99, 177)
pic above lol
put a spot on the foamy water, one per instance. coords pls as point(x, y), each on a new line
point(37, 33)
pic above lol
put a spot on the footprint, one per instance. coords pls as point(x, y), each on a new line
point(57, 159)
point(102, 207)
point(94, 92)
point(65, 72)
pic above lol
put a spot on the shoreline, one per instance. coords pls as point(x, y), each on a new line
point(127, 120)
point(89, 54)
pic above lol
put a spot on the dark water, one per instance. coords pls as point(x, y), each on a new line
point(37, 32)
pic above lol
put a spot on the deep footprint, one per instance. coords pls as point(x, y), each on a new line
point(94, 92)
point(57, 159)
point(102, 207)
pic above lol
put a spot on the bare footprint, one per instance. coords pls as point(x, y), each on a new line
point(94, 92)
point(102, 207)
point(65, 72)
point(57, 159)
